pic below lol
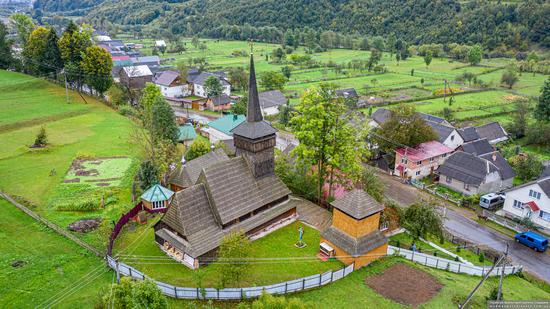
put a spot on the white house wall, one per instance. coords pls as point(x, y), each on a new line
point(454, 140)
point(216, 136)
point(522, 195)
point(200, 90)
point(274, 110)
point(172, 92)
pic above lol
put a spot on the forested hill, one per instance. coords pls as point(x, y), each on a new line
point(491, 23)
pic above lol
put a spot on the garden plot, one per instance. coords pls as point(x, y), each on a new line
point(100, 172)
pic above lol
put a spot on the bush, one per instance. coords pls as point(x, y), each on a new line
point(79, 205)
point(481, 257)
point(126, 110)
point(41, 138)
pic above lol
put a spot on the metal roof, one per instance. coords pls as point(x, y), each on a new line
point(227, 123)
point(157, 193)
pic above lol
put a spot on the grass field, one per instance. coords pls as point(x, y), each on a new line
point(54, 268)
point(138, 248)
point(37, 175)
point(480, 107)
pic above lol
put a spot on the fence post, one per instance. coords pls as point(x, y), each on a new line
point(513, 270)
point(412, 257)
point(319, 279)
point(426, 263)
point(304, 282)
point(198, 295)
point(459, 267)
point(331, 275)
point(477, 250)
point(436, 263)
point(130, 269)
point(286, 287)
point(117, 273)
point(218, 293)
point(176, 292)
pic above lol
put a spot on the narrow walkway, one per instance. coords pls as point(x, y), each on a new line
point(313, 214)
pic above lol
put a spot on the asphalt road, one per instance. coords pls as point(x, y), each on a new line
point(534, 262)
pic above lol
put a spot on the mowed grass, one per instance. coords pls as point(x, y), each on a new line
point(352, 291)
point(278, 259)
point(55, 270)
point(36, 175)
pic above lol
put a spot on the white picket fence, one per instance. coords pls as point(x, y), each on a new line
point(456, 267)
point(235, 293)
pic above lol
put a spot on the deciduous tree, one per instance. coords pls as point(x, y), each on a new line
point(148, 175)
point(34, 50)
point(542, 112)
point(164, 125)
point(213, 86)
point(422, 219)
point(527, 166)
point(238, 77)
point(24, 26)
point(475, 54)
point(198, 148)
point(97, 65)
point(134, 294)
point(6, 59)
point(233, 256)
point(428, 58)
point(272, 80)
point(404, 127)
point(241, 106)
point(510, 78)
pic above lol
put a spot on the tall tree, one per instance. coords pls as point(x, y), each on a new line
point(24, 26)
point(475, 54)
point(428, 58)
point(199, 147)
point(6, 59)
point(404, 127)
point(518, 128)
point(233, 254)
point(150, 93)
point(97, 65)
point(241, 106)
point(327, 140)
point(134, 294)
point(375, 56)
point(34, 51)
point(421, 220)
point(164, 125)
point(52, 56)
point(73, 44)
point(238, 77)
point(542, 111)
point(272, 80)
point(148, 174)
point(213, 86)
point(510, 78)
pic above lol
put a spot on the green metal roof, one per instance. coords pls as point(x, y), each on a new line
point(157, 193)
point(227, 123)
point(122, 63)
point(187, 133)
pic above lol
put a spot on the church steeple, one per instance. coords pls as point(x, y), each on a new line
point(255, 137)
point(254, 111)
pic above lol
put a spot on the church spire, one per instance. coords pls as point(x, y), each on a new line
point(254, 112)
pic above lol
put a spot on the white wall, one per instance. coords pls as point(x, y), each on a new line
point(454, 140)
point(200, 90)
point(274, 110)
point(182, 90)
point(522, 195)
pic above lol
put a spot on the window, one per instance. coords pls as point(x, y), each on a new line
point(449, 179)
point(518, 204)
point(452, 138)
point(417, 173)
point(404, 160)
point(418, 162)
point(158, 204)
point(432, 160)
point(544, 215)
point(534, 194)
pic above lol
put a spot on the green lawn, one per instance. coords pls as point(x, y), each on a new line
point(352, 292)
point(138, 248)
point(37, 175)
point(54, 267)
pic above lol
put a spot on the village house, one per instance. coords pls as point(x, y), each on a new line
point(219, 103)
point(347, 93)
point(493, 132)
point(271, 100)
point(150, 61)
point(237, 194)
point(421, 160)
point(447, 134)
point(160, 43)
point(471, 174)
point(530, 200)
point(477, 147)
point(199, 89)
point(220, 129)
point(135, 77)
point(354, 236)
point(171, 84)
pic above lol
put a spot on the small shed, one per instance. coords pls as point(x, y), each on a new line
point(187, 134)
point(157, 197)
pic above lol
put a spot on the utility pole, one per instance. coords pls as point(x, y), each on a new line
point(463, 305)
point(499, 295)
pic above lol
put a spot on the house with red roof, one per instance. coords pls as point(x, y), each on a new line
point(421, 160)
point(530, 200)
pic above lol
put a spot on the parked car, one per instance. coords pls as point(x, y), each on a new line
point(532, 240)
point(491, 201)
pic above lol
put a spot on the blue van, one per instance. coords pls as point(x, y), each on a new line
point(533, 240)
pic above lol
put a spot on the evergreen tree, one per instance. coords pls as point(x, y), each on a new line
point(542, 111)
point(428, 58)
point(6, 59)
point(148, 175)
point(52, 56)
point(164, 121)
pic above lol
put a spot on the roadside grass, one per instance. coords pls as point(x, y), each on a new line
point(137, 248)
point(54, 267)
point(36, 175)
point(497, 227)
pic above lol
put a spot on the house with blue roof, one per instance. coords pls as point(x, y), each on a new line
point(157, 197)
point(220, 129)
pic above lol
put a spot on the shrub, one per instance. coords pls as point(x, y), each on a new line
point(458, 249)
point(126, 110)
point(41, 138)
point(79, 205)
point(481, 257)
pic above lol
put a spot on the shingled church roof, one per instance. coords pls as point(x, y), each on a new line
point(255, 126)
point(358, 204)
point(187, 175)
